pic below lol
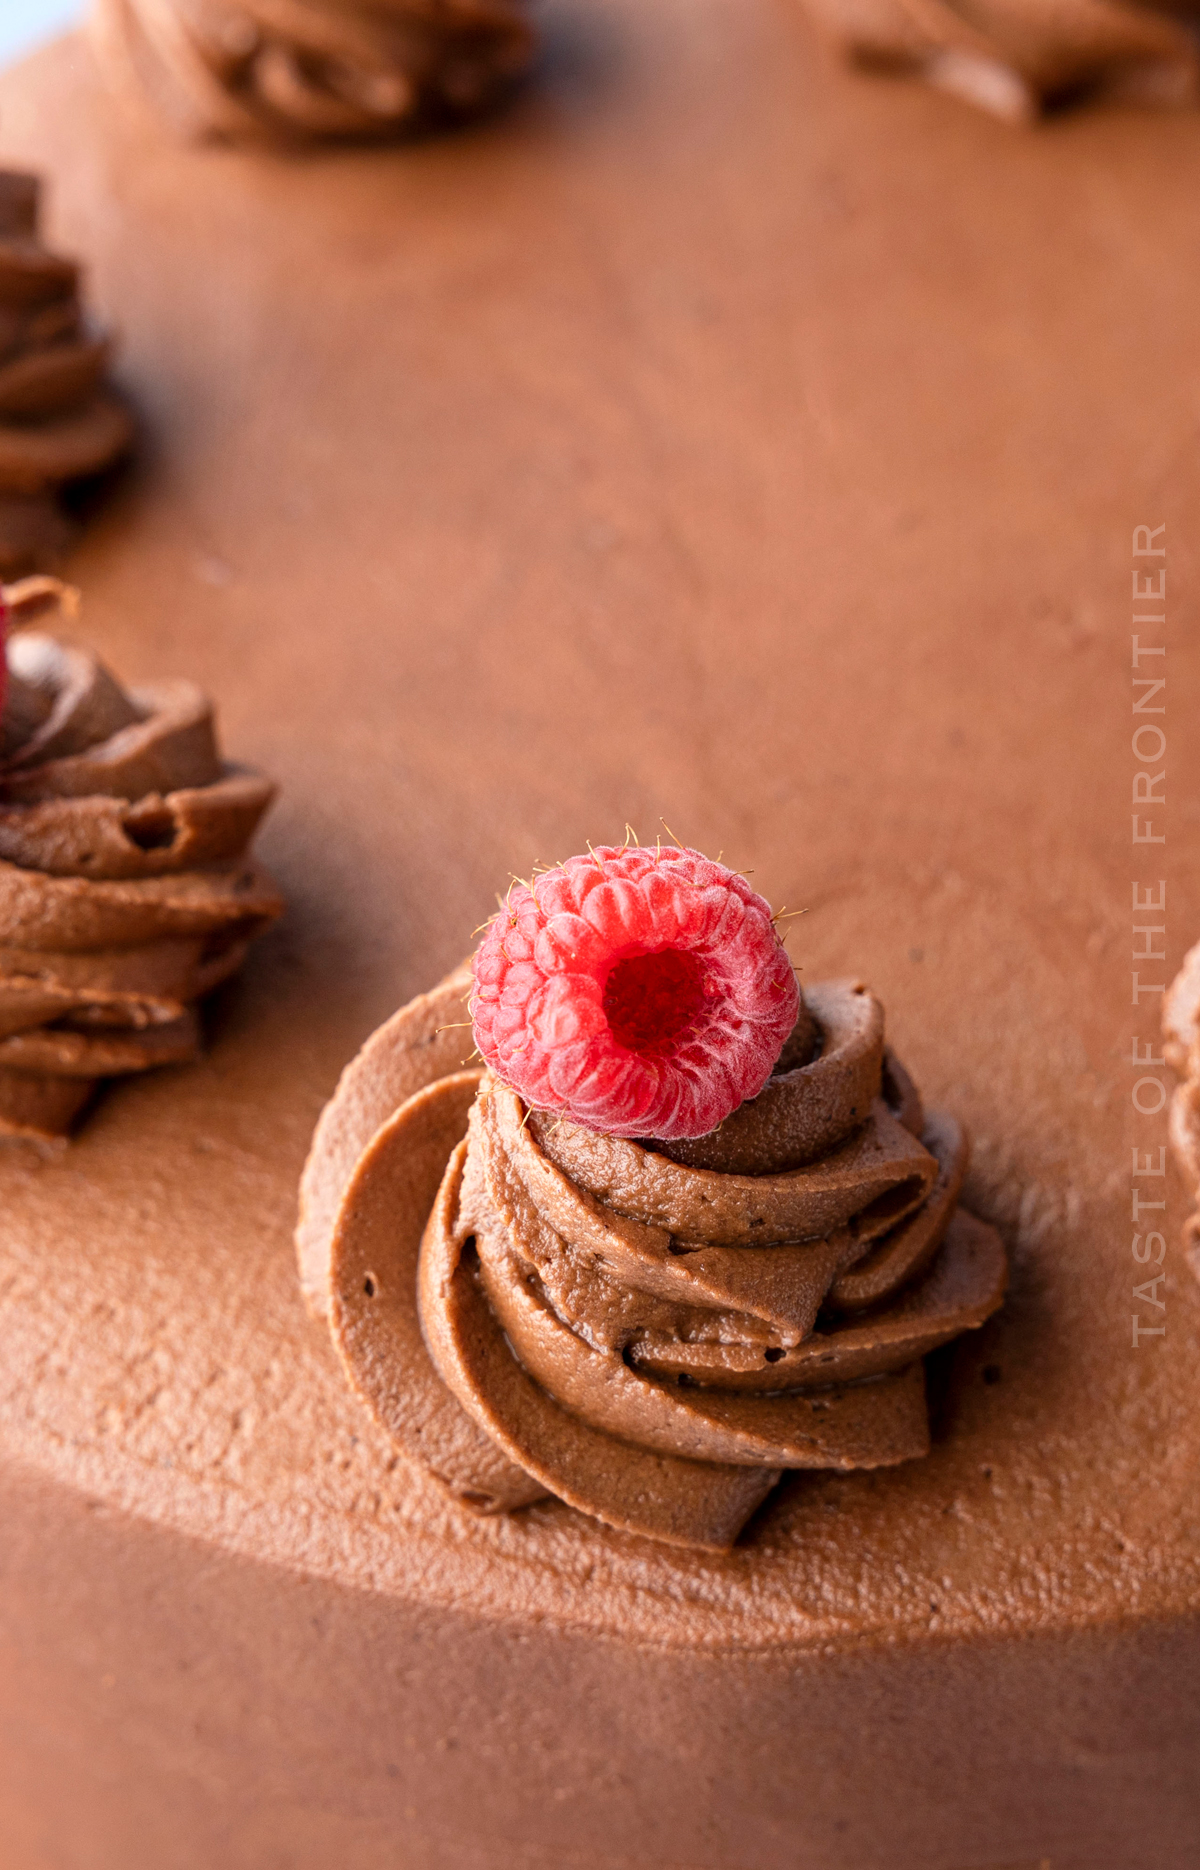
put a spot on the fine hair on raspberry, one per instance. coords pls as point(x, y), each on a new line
point(639, 991)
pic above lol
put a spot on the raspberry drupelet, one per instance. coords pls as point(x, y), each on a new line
point(637, 991)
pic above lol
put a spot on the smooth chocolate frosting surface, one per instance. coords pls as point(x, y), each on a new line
point(1015, 57)
point(313, 68)
point(126, 891)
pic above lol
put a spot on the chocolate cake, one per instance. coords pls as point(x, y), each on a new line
point(720, 436)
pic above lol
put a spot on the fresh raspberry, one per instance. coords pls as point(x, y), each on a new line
point(639, 992)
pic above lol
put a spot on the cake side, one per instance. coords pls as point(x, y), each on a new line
point(221, 1711)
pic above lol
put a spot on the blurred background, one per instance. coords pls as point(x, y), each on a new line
point(25, 23)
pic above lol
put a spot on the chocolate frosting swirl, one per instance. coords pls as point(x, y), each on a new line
point(1181, 1032)
point(314, 68)
point(652, 1340)
point(126, 892)
point(1016, 57)
point(58, 421)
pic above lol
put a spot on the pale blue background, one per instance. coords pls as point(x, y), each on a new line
point(25, 23)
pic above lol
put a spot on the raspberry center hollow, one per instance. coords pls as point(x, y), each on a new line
point(653, 1000)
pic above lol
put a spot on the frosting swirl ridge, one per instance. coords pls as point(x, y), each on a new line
point(59, 422)
point(696, 1313)
point(126, 889)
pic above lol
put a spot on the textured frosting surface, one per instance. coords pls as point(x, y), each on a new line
point(58, 420)
point(314, 68)
point(126, 893)
point(649, 336)
point(1014, 57)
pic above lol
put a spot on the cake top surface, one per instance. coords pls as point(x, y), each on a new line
point(713, 436)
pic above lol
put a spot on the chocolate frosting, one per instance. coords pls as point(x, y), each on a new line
point(126, 891)
point(58, 421)
point(1015, 57)
point(1181, 1031)
point(314, 68)
point(652, 1340)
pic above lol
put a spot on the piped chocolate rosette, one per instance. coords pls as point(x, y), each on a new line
point(1015, 59)
point(1181, 1033)
point(685, 1230)
point(238, 69)
point(59, 421)
point(126, 889)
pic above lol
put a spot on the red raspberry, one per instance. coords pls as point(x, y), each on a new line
point(639, 992)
